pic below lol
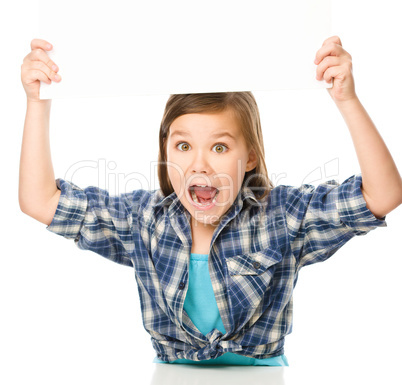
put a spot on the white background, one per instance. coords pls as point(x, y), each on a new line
point(71, 316)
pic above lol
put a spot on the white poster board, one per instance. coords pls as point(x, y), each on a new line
point(130, 47)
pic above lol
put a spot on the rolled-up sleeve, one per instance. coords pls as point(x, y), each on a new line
point(95, 220)
point(322, 219)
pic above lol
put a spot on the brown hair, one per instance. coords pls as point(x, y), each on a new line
point(246, 111)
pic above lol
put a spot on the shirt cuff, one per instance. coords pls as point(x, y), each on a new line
point(352, 207)
point(70, 213)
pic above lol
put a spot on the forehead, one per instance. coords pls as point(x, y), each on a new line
point(212, 124)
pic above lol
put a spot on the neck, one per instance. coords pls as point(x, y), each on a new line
point(202, 228)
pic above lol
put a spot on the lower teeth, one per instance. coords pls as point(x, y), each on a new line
point(195, 199)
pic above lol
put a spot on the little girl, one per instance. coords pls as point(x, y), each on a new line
point(217, 249)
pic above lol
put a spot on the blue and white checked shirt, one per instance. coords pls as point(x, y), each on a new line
point(255, 256)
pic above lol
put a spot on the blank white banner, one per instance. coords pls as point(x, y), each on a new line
point(128, 47)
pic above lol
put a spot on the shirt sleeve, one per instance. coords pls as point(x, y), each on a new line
point(95, 220)
point(322, 219)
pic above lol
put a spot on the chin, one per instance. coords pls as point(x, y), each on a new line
point(206, 219)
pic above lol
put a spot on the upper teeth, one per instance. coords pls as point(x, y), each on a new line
point(200, 185)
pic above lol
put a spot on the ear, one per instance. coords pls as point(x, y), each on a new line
point(252, 160)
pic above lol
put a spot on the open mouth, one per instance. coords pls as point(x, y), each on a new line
point(203, 195)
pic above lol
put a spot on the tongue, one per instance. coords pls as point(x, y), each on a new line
point(205, 192)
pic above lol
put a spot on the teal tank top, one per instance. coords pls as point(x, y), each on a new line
point(200, 305)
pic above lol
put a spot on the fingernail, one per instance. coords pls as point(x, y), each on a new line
point(57, 77)
point(49, 46)
point(54, 67)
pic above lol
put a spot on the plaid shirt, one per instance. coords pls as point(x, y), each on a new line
point(255, 256)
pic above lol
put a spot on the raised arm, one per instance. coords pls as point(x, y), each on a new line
point(94, 219)
point(38, 194)
point(381, 181)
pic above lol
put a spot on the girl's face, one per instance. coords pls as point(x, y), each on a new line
point(209, 150)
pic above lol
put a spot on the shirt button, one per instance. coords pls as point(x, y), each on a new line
point(181, 286)
point(256, 265)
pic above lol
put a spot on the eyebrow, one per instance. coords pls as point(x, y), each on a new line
point(216, 135)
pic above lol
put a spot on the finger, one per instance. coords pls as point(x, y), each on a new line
point(328, 61)
point(331, 49)
point(40, 43)
point(40, 55)
point(333, 39)
point(334, 72)
point(39, 65)
point(33, 75)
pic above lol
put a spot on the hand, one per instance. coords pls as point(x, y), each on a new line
point(37, 67)
point(334, 62)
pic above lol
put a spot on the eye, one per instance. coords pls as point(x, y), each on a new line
point(185, 146)
point(220, 148)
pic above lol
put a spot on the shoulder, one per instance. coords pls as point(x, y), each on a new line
point(144, 199)
point(330, 197)
point(305, 192)
point(97, 196)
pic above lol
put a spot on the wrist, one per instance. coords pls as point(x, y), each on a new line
point(40, 101)
point(348, 104)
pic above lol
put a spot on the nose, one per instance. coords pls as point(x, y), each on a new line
point(200, 164)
